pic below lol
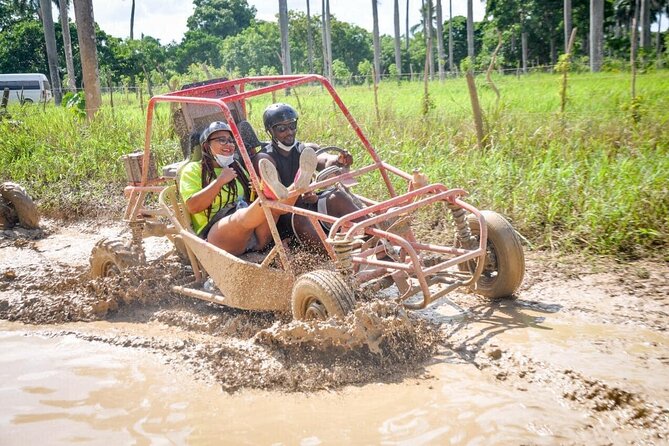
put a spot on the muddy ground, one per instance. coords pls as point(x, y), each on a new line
point(591, 331)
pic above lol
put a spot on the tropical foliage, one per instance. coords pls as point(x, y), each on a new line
point(225, 34)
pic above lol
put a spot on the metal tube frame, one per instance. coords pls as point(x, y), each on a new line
point(344, 228)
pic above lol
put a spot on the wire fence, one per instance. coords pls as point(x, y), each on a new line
point(138, 96)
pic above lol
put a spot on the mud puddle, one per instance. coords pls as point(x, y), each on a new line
point(579, 358)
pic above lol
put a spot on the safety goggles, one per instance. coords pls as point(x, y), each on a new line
point(224, 140)
point(281, 128)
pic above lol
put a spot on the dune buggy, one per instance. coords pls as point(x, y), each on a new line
point(387, 244)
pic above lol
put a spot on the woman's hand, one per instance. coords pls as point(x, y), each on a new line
point(227, 174)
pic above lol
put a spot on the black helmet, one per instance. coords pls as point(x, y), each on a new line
point(277, 113)
point(215, 126)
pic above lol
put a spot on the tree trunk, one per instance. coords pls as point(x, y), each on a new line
point(67, 46)
point(377, 43)
point(441, 54)
point(398, 46)
point(596, 34)
point(523, 45)
point(51, 52)
point(427, 33)
point(450, 35)
point(470, 30)
point(567, 23)
point(132, 20)
point(83, 12)
point(406, 24)
point(310, 41)
point(285, 46)
point(327, 43)
point(644, 19)
point(658, 45)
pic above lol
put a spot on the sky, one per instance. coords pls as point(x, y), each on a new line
point(166, 19)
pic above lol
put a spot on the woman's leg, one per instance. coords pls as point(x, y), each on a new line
point(233, 232)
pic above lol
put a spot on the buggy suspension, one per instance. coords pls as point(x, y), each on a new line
point(462, 229)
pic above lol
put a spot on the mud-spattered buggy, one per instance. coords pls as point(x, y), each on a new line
point(385, 249)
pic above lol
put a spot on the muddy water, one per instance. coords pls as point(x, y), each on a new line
point(581, 357)
point(76, 391)
point(80, 391)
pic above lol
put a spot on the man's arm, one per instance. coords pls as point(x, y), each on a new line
point(343, 159)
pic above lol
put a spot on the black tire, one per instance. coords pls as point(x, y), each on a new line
point(505, 262)
point(23, 205)
point(8, 218)
point(110, 257)
point(320, 295)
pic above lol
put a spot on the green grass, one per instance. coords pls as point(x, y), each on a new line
point(593, 178)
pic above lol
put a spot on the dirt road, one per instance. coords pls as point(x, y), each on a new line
point(580, 357)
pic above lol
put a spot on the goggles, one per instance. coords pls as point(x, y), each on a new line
point(281, 128)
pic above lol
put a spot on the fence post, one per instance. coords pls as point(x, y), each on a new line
point(567, 61)
point(141, 99)
point(476, 108)
point(376, 95)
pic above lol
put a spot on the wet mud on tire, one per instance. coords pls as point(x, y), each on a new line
point(17, 206)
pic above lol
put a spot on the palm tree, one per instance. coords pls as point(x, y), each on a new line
point(441, 57)
point(427, 29)
point(310, 41)
point(596, 34)
point(398, 49)
point(285, 47)
point(644, 21)
point(406, 37)
point(377, 43)
point(63, 6)
point(567, 23)
point(132, 19)
point(83, 13)
point(425, 26)
point(450, 35)
point(327, 44)
point(470, 30)
point(51, 51)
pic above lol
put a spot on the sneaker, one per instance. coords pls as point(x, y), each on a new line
point(272, 187)
point(308, 164)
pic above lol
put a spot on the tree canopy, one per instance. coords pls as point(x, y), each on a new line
point(226, 35)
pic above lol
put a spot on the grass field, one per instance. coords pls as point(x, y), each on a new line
point(594, 178)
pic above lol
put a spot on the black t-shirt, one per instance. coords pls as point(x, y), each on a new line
point(286, 166)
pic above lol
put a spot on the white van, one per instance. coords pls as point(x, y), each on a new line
point(25, 87)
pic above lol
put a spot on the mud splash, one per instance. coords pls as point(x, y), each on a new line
point(54, 294)
point(236, 349)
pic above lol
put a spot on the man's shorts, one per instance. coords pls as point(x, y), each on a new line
point(286, 222)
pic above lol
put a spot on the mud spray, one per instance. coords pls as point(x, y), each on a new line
point(238, 349)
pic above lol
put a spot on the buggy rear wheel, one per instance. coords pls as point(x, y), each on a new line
point(320, 295)
point(504, 262)
point(17, 198)
point(110, 257)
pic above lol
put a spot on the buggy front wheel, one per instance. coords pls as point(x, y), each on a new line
point(320, 295)
point(110, 257)
point(504, 266)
